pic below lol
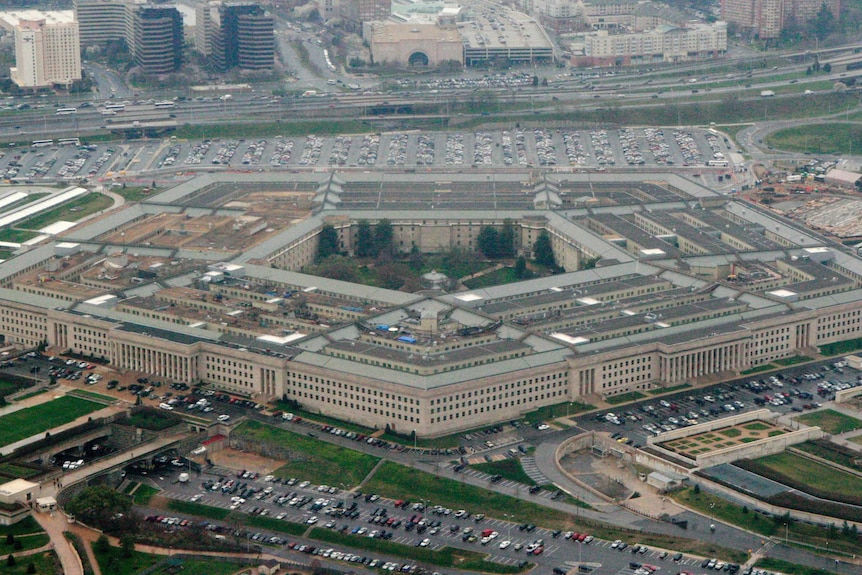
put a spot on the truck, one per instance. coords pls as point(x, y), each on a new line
point(183, 478)
point(767, 93)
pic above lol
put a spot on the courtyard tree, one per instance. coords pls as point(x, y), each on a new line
point(102, 507)
point(507, 239)
point(384, 238)
point(488, 242)
point(364, 240)
point(544, 251)
point(327, 242)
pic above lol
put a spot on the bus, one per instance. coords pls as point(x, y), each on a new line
point(69, 142)
point(166, 104)
point(66, 111)
point(115, 107)
point(718, 163)
point(43, 143)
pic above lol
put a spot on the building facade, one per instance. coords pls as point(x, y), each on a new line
point(767, 18)
point(157, 39)
point(235, 35)
point(47, 53)
point(662, 44)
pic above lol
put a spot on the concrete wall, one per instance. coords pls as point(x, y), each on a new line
point(845, 394)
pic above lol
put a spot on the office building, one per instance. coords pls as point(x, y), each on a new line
point(103, 21)
point(47, 49)
point(699, 286)
point(235, 35)
point(357, 12)
point(157, 38)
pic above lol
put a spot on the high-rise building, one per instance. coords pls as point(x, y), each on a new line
point(235, 34)
point(157, 38)
point(357, 12)
point(47, 51)
point(103, 21)
point(767, 18)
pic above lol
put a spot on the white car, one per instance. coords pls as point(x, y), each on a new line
point(425, 543)
point(505, 544)
point(224, 417)
point(197, 497)
point(312, 520)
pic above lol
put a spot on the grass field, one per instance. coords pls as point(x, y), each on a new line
point(497, 277)
point(37, 419)
point(831, 421)
point(112, 561)
point(197, 509)
point(758, 369)
point(144, 493)
point(213, 567)
point(818, 138)
point(508, 468)
point(310, 459)
point(16, 236)
point(278, 525)
point(446, 557)
point(27, 542)
point(789, 568)
point(818, 480)
point(792, 360)
point(23, 527)
point(557, 410)
point(44, 563)
point(400, 482)
point(624, 398)
point(663, 390)
point(73, 211)
point(12, 470)
point(86, 394)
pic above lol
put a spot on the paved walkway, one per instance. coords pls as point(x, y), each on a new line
point(54, 524)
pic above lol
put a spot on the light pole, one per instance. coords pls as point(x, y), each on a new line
point(508, 525)
point(785, 533)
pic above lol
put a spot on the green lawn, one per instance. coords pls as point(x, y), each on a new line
point(462, 559)
point(309, 458)
point(831, 421)
point(27, 542)
point(26, 525)
point(819, 480)
point(841, 347)
point(198, 509)
point(818, 138)
point(86, 394)
point(16, 236)
point(556, 410)
point(112, 561)
point(12, 470)
point(497, 277)
point(144, 493)
point(135, 193)
point(758, 369)
point(789, 568)
point(45, 564)
point(400, 482)
point(508, 468)
point(212, 567)
point(273, 524)
point(624, 398)
point(37, 419)
point(662, 390)
point(72, 211)
point(793, 360)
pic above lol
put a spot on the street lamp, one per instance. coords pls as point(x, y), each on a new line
point(508, 525)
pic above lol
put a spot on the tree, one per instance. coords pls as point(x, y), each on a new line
point(384, 237)
point(544, 252)
point(127, 544)
point(10, 539)
point(521, 268)
point(488, 242)
point(697, 489)
point(327, 242)
point(827, 68)
point(31, 568)
point(507, 239)
point(823, 25)
point(10, 560)
point(364, 240)
point(100, 506)
point(535, 81)
point(102, 544)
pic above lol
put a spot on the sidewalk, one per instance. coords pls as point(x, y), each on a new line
point(54, 524)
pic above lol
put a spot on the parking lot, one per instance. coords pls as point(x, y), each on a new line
point(592, 149)
point(404, 522)
point(792, 390)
